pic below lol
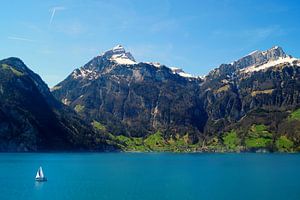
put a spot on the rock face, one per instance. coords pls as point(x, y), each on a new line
point(31, 119)
point(260, 83)
point(138, 99)
point(260, 57)
point(133, 99)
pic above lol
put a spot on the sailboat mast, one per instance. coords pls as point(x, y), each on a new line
point(40, 175)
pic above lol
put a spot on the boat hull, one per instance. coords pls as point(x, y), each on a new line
point(40, 179)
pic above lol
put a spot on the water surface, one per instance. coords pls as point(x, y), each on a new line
point(151, 176)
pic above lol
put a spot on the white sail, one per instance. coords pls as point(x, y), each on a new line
point(37, 174)
point(41, 172)
point(40, 175)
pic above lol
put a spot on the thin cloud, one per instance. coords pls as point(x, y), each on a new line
point(53, 12)
point(20, 39)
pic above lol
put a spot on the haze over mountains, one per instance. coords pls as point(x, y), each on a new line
point(250, 104)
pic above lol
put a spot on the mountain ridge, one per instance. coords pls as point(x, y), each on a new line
point(137, 100)
point(114, 102)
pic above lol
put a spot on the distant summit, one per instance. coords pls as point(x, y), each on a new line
point(257, 58)
point(256, 61)
point(119, 55)
point(104, 63)
point(116, 57)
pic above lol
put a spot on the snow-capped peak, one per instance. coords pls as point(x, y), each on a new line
point(271, 63)
point(260, 57)
point(119, 55)
point(118, 48)
point(262, 60)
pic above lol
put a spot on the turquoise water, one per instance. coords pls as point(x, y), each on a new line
point(155, 176)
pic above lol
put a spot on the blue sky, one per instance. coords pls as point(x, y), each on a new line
point(55, 37)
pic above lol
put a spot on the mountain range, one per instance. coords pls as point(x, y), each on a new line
point(116, 103)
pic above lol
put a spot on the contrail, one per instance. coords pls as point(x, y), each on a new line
point(54, 9)
point(20, 38)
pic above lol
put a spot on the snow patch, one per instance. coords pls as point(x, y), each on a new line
point(122, 59)
point(253, 52)
point(120, 56)
point(180, 72)
point(281, 60)
point(66, 101)
point(85, 73)
point(155, 64)
point(118, 48)
point(185, 75)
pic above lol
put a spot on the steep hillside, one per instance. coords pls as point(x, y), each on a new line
point(31, 119)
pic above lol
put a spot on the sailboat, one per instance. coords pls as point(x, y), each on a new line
point(40, 175)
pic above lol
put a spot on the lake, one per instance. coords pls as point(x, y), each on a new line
point(155, 176)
